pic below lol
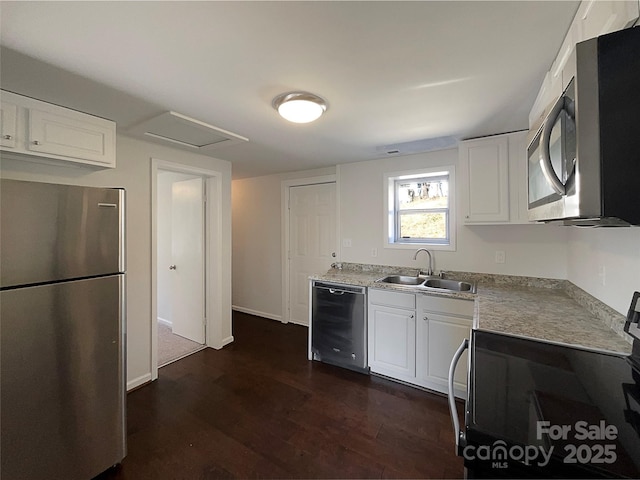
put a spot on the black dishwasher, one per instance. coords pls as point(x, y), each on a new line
point(338, 325)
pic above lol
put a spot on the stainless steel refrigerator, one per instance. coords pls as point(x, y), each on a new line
point(62, 330)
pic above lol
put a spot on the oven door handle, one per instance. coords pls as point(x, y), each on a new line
point(460, 435)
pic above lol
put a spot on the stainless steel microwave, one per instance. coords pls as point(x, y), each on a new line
point(584, 160)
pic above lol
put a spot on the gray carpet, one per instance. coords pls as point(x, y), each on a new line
point(173, 347)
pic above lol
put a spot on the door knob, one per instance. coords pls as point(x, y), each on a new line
point(172, 267)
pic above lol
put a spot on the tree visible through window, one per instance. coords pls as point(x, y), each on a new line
point(422, 209)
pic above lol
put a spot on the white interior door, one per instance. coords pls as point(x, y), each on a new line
point(312, 242)
point(187, 249)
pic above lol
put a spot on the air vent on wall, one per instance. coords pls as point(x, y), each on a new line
point(182, 131)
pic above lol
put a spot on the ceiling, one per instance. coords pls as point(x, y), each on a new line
point(392, 72)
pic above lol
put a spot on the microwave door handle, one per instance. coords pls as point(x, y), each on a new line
point(545, 155)
point(460, 435)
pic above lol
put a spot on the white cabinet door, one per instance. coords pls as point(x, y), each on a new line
point(485, 186)
point(392, 341)
point(518, 183)
point(442, 324)
point(8, 124)
point(68, 133)
point(438, 337)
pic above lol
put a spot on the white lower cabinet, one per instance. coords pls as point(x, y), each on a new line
point(413, 338)
point(443, 323)
point(392, 334)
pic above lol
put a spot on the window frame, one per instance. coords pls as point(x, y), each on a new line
point(392, 211)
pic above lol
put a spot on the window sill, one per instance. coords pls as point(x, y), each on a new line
point(415, 246)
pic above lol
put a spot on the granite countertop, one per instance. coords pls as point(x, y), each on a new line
point(543, 309)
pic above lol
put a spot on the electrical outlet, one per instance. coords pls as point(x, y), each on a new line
point(602, 273)
point(500, 256)
point(346, 242)
point(374, 252)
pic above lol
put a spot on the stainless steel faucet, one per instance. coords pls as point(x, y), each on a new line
point(430, 267)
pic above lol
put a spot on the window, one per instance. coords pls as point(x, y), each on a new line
point(420, 208)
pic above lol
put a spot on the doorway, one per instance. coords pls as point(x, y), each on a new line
point(216, 331)
point(181, 265)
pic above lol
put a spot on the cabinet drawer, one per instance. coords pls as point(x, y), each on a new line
point(450, 306)
point(392, 299)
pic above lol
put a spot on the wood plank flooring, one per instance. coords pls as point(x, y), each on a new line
point(259, 409)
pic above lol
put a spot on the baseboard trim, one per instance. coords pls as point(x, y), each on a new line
point(298, 323)
point(226, 341)
point(138, 382)
point(270, 316)
point(165, 322)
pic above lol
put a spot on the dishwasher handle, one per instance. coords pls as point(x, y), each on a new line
point(338, 289)
point(460, 435)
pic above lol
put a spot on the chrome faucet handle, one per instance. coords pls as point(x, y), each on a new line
point(442, 273)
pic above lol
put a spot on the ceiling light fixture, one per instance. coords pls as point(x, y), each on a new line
point(299, 107)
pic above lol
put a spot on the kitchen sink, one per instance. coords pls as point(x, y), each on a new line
point(446, 284)
point(402, 280)
point(429, 283)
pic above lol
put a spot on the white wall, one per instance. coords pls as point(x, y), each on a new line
point(536, 250)
point(617, 251)
point(257, 242)
point(164, 225)
point(134, 174)
point(533, 250)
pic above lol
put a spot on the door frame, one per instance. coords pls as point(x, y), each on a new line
point(285, 187)
point(212, 254)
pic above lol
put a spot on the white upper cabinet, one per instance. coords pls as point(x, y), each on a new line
point(493, 180)
point(518, 178)
point(597, 17)
point(593, 18)
point(8, 124)
point(484, 167)
point(46, 131)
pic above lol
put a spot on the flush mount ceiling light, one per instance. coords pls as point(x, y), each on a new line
point(299, 107)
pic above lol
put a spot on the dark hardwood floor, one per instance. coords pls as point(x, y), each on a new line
point(259, 409)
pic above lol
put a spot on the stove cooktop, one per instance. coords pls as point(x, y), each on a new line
point(543, 410)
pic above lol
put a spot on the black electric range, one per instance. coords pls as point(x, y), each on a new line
point(541, 410)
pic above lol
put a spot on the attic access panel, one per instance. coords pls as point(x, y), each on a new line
point(183, 131)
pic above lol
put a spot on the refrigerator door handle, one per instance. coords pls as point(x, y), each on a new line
point(460, 436)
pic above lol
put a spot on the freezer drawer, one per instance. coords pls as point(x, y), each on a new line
point(338, 325)
point(62, 379)
point(59, 232)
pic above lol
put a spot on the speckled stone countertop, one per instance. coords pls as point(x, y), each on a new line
point(543, 309)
